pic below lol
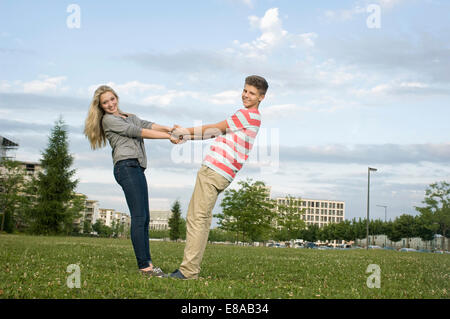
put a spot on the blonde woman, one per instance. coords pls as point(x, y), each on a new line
point(126, 133)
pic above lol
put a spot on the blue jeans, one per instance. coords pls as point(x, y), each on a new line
point(130, 176)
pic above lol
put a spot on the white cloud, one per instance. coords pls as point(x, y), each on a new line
point(344, 14)
point(43, 85)
point(133, 86)
point(273, 36)
point(128, 88)
point(226, 97)
point(307, 38)
point(283, 110)
point(96, 175)
point(357, 9)
point(401, 87)
point(47, 84)
point(169, 97)
point(248, 3)
point(389, 3)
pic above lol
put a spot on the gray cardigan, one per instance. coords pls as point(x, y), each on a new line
point(124, 136)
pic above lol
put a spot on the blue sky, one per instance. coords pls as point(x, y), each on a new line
point(342, 96)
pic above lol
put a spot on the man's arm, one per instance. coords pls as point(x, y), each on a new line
point(201, 132)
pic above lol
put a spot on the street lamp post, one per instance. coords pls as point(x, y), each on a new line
point(368, 200)
point(385, 220)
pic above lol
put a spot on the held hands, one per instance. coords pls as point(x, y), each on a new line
point(177, 133)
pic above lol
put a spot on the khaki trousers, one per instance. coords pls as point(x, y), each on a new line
point(208, 186)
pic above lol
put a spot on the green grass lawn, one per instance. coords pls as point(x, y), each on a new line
point(36, 267)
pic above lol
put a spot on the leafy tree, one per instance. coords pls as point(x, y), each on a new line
point(53, 213)
point(392, 232)
point(76, 205)
point(435, 216)
point(405, 227)
point(311, 233)
point(247, 211)
point(376, 227)
point(345, 231)
point(337, 231)
point(175, 221)
point(115, 227)
point(359, 228)
point(281, 234)
point(218, 234)
point(289, 218)
point(87, 227)
point(425, 232)
point(326, 232)
point(11, 183)
point(158, 233)
point(102, 229)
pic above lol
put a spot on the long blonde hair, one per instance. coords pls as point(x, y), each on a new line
point(93, 125)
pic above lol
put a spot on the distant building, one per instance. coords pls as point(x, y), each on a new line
point(318, 212)
point(159, 219)
point(91, 210)
point(438, 242)
point(110, 216)
point(31, 169)
point(7, 145)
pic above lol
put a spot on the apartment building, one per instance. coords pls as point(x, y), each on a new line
point(7, 145)
point(88, 214)
point(31, 169)
point(110, 216)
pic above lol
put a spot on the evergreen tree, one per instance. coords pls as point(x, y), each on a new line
point(175, 223)
point(52, 213)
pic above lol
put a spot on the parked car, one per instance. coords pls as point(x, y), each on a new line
point(310, 245)
point(374, 247)
point(407, 249)
point(389, 248)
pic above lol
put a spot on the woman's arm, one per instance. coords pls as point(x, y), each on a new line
point(158, 135)
point(161, 128)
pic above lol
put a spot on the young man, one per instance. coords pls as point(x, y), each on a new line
point(235, 137)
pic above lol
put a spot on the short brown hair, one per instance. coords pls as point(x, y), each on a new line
point(258, 82)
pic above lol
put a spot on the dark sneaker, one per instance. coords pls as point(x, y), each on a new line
point(155, 272)
point(177, 274)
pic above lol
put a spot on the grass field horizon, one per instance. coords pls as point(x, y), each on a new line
point(37, 267)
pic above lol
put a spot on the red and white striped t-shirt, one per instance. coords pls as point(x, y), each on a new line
point(229, 152)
